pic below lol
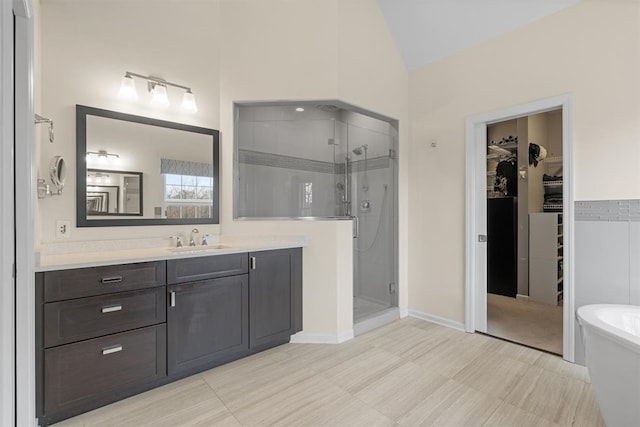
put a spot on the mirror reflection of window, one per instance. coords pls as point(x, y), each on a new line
point(188, 189)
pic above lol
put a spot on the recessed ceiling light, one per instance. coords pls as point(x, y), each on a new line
point(299, 109)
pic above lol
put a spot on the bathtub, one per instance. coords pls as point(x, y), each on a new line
point(611, 336)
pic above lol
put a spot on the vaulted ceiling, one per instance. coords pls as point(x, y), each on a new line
point(428, 30)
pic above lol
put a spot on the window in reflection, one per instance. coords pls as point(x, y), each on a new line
point(188, 196)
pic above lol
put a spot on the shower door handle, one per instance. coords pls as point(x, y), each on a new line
point(356, 226)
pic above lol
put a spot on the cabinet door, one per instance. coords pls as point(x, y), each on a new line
point(207, 322)
point(275, 295)
point(88, 374)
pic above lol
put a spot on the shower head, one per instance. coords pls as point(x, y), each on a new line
point(358, 150)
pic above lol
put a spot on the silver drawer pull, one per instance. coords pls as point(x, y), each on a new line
point(111, 349)
point(111, 308)
point(114, 279)
point(253, 262)
point(172, 299)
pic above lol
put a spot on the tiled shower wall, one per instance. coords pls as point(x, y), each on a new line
point(607, 242)
point(273, 185)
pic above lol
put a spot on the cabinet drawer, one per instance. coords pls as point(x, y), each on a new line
point(206, 267)
point(82, 375)
point(84, 282)
point(79, 319)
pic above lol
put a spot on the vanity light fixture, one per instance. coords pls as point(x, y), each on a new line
point(99, 177)
point(101, 155)
point(158, 89)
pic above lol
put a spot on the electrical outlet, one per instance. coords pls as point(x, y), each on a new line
point(63, 229)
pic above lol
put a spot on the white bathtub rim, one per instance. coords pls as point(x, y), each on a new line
point(588, 318)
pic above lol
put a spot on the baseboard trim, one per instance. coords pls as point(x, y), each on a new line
point(437, 320)
point(304, 338)
point(377, 321)
point(522, 297)
point(404, 312)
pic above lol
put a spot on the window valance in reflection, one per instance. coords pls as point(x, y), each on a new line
point(181, 167)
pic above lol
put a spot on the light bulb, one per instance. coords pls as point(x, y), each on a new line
point(189, 102)
point(159, 96)
point(128, 88)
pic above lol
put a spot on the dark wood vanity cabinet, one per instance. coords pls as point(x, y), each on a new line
point(100, 336)
point(275, 296)
point(208, 321)
point(106, 333)
point(212, 321)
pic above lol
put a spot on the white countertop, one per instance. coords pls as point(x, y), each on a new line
point(65, 261)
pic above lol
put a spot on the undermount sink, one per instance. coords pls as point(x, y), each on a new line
point(206, 248)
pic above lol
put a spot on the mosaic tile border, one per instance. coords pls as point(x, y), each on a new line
point(259, 158)
point(608, 210)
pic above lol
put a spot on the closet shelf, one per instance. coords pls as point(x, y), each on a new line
point(557, 159)
point(510, 148)
point(491, 173)
point(552, 183)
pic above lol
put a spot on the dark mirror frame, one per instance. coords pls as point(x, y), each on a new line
point(82, 112)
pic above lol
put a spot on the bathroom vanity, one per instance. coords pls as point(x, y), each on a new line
point(106, 332)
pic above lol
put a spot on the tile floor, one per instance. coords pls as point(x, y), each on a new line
point(526, 322)
point(408, 373)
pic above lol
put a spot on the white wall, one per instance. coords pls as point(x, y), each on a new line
point(86, 49)
point(311, 49)
point(229, 51)
point(591, 49)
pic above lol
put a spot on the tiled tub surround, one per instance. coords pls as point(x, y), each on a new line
point(60, 256)
point(608, 210)
point(607, 254)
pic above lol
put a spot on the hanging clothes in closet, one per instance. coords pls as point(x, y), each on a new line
point(509, 170)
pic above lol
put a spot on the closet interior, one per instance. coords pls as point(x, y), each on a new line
point(524, 230)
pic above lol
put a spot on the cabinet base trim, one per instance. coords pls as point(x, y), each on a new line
point(437, 320)
point(305, 338)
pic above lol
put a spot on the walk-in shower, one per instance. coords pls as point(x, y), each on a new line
point(330, 161)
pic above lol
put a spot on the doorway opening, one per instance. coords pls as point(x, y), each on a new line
point(524, 230)
point(541, 240)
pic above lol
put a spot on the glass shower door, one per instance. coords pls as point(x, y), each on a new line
point(373, 190)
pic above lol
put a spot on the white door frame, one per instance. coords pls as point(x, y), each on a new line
point(25, 202)
point(7, 230)
point(476, 213)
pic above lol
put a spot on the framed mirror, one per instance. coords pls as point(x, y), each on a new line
point(134, 170)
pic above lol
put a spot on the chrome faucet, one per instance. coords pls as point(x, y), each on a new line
point(178, 238)
point(204, 239)
point(191, 241)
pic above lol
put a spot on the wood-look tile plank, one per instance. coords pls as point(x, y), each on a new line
point(358, 372)
point(553, 397)
point(493, 374)
point(410, 342)
point(303, 403)
point(184, 399)
point(449, 357)
point(400, 390)
point(562, 367)
point(452, 404)
point(351, 412)
point(588, 412)
point(507, 415)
